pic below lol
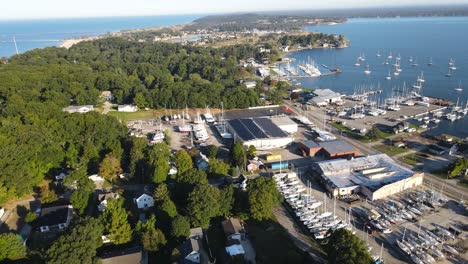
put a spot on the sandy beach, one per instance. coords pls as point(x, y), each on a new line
point(67, 43)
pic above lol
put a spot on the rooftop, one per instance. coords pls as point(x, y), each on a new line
point(127, 256)
point(232, 226)
point(256, 128)
point(336, 146)
point(55, 215)
point(371, 170)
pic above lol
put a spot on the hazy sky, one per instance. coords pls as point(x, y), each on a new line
point(24, 9)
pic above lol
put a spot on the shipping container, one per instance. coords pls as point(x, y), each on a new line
point(279, 165)
point(273, 157)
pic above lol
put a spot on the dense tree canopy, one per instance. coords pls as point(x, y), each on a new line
point(344, 247)
point(78, 245)
point(183, 161)
point(263, 197)
point(11, 246)
point(115, 222)
point(203, 204)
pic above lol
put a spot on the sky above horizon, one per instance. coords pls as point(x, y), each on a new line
point(32, 9)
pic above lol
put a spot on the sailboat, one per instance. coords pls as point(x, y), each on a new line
point(367, 71)
point(449, 73)
point(459, 88)
point(378, 54)
point(390, 55)
point(410, 59)
point(421, 78)
point(389, 77)
point(415, 63)
point(452, 64)
point(357, 64)
point(386, 62)
point(430, 62)
point(185, 127)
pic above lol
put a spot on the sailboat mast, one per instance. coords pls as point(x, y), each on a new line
point(16, 46)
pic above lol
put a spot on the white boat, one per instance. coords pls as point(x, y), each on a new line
point(421, 78)
point(416, 260)
point(449, 249)
point(208, 116)
point(430, 62)
point(449, 73)
point(452, 64)
point(367, 70)
point(459, 88)
point(403, 247)
point(357, 64)
point(410, 59)
point(390, 56)
point(378, 54)
point(389, 77)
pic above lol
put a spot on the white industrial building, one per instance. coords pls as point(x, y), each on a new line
point(285, 123)
point(78, 109)
point(127, 108)
point(375, 176)
point(323, 97)
point(259, 132)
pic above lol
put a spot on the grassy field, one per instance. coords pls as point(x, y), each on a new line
point(372, 135)
point(123, 116)
point(413, 159)
point(390, 150)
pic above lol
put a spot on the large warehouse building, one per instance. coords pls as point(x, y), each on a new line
point(259, 132)
point(375, 176)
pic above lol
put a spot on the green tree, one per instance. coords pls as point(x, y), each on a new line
point(169, 207)
point(47, 195)
point(183, 161)
point(458, 167)
point(11, 246)
point(218, 168)
point(78, 179)
point(79, 200)
point(203, 204)
point(226, 200)
point(263, 196)
point(78, 245)
point(161, 169)
point(212, 151)
point(251, 151)
point(137, 157)
point(139, 100)
point(180, 227)
point(151, 238)
point(344, 247)
point(239, 155)
point(161, 193)
point(110, 168)
point(115, 222)
point(30, 217)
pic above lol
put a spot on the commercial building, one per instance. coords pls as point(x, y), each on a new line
point(328, 149)
point(375, 176)
point(259, 132)
point(323, 97)
point(285, 123)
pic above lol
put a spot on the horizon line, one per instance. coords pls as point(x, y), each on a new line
point(234, 12)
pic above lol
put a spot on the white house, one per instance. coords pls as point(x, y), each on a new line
point(127, 108)
point(144, 201)
point(2, 211)
point(78, 109)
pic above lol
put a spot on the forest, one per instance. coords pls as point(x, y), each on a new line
point(37, 137)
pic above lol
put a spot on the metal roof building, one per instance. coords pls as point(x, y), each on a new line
point(329, 149)
point(259, 132)
point(376, 176)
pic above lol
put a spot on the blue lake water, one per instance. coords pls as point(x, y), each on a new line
point(31, 34)
point(420, 38)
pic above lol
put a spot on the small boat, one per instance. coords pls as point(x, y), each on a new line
point(378, 54)
point(389, 77)
point(449, 249)
point(437, 253)
point(416, 260)
point(357, 64)
point(421, 78)
point(403, 247)
point(390, 55)
point(410, 59)
point(430, 62)
point(452, 65)
point(367, 71)
point(449, 73)
point(459, 88)
point(396, 73)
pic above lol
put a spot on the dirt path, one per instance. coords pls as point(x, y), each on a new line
point(300, 239)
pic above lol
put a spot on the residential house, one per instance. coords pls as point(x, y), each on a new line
point(133, 255)
point(2, 212)
point(144, 201)
point(127, 108)
point(103, 198)
point(107, 95)
point(234, 235)
point(193, 250)
point(78, 109)
point(55, 217)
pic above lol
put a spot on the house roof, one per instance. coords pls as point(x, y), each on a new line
point(54, 215)
point(336, 146)
point(310, 144)
point(127, 256)
point(232, 226)
point(107, 196)
point(235, 250)
point(143, 195)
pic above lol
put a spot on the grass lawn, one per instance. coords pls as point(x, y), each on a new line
point(123, 116)
point(413, 159)
point(272, 244)
point(390, 150)
point(373, 134)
